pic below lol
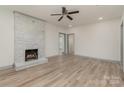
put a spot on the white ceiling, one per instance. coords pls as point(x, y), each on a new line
point(88, 13)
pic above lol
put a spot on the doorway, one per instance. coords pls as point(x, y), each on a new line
point(62, 43)
point(70, 43)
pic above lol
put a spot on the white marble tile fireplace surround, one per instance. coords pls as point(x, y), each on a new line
point(29, 34)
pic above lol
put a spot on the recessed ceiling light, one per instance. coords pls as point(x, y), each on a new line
point(69, 25)
point(100, 18)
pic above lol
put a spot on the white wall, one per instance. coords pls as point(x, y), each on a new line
point(52, 39)
point(99, 40)
point(6, 37)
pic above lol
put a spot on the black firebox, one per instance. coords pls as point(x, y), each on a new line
point(31, 54)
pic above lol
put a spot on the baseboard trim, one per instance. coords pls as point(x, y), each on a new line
point(56, 56)
point(109, 60)
point(52, 56)
point(6, 67)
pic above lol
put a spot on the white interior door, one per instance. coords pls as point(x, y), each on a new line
point(61, 43)
point(70, 43)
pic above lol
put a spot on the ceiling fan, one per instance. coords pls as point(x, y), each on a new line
point(65, 13)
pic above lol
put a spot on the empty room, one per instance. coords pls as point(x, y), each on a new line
point(61, 46)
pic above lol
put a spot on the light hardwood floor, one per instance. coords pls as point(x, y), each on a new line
point(66, 71)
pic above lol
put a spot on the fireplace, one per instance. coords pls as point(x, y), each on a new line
point(31, 54)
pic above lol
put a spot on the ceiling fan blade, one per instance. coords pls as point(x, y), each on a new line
point(55, 14)
point(63, 10)
point(73, 12)
point(69, 17)
point(60, 18)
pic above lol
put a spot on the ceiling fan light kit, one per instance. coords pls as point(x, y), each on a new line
point(65, 13)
